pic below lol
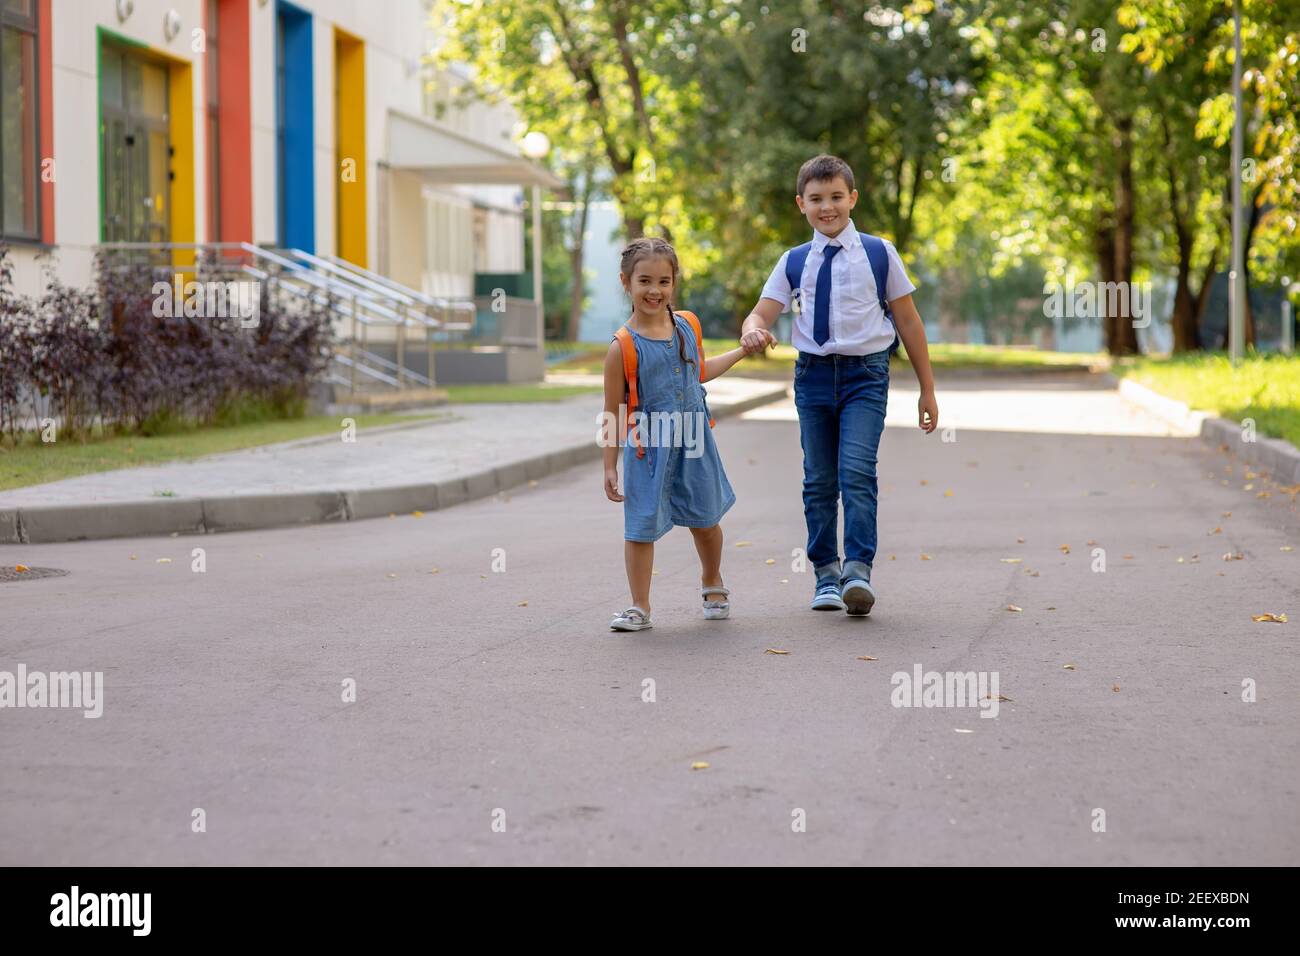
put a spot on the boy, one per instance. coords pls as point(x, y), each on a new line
point(841, 378)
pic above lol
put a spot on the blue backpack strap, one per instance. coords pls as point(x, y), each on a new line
point(878, 256)
point(794, 263)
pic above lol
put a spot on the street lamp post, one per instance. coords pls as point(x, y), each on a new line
point(536, 145)
point(1237, 277)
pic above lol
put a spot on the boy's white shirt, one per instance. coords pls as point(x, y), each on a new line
point(858, 326)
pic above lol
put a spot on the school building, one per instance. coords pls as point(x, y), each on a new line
point(315, 132)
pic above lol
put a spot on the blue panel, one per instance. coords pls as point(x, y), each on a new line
point(294, 128)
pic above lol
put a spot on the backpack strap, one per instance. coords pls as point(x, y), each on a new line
point(628, 347)
point(794, 263)
point(694, 321)
point(878, 256)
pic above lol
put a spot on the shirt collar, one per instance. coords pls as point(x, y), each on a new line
point(848, 239)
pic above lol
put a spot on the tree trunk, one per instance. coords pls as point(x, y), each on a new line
point(576, 256)
point(1104, 244)
point(1186, 314)
point(1125, 334)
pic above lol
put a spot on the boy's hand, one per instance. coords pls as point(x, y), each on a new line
point(756, 340)
point(611, 485)
point(928, 412)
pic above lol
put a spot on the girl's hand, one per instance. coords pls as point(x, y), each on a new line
point(927, 409)
point(757, 340)
point(611, 485)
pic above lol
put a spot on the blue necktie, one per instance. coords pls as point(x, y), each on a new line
point(822, 307)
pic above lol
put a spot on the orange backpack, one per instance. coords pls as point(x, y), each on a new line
point(628, 348)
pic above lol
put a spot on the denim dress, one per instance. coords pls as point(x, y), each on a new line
point(680, 481)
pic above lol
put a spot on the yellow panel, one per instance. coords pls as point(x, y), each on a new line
point(181, 131)
point(350, 122)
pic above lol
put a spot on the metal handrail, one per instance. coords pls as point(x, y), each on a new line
point(436, 302)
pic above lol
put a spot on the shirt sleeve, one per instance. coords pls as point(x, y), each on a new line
point(778, 286)
point(898, 284)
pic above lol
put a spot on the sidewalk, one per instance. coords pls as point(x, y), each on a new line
point(474, 451)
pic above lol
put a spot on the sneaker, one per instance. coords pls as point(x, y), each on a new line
point(856, 590)
point(633, 619)
point(827, 595)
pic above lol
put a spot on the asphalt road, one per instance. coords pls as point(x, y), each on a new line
point(223, 689)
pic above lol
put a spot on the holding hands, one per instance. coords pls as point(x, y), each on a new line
point(756, 340)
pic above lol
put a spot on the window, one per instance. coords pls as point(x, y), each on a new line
point(19, 139)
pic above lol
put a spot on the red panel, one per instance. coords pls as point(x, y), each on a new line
point(234, 114)
point(45, 93)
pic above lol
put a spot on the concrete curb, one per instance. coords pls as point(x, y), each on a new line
point(166, 516)
point(1279, 458)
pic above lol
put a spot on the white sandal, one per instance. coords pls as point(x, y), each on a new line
point(633, 619)
point(715, 610)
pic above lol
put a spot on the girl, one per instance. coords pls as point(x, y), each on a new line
point(665, 483)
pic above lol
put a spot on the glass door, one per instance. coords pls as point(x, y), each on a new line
point(136, 149)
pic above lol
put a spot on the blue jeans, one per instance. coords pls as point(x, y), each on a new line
point(841, 404)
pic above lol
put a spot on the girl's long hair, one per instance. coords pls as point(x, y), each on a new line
point(648, 247)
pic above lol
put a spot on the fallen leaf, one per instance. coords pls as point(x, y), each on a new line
point(1069, 667)
point(133, 557)
point(785, 580)
point(1249, 475)
point(532, 482)
point(417, 514)
point(1065, 549)
point(1032, 574)
point(699, 765)
point(391, 515)
point(522, 604)
point(924, 482)
point(20, 568)
point(1217, 530)
point(1248, 487)
point(164, 561)
point(770, 561)
point(743, 544)
point(1011, 560)
point(924, 556)
point(999, 697)
point(1263, 494)
point(1115, 688)
point(773, 650)
point(1269, 618)
point(867, 658)
point(1225, 514)
point(391, 574)
point(1090, 542)
point(962, 730)
point(947, 494)
point(1052, 608)
point(1233, 557)
point(433, 570)
point(894, 557)
point(1128, 557)
point(1020, 540)
point(654, 572)
point(1013, 607)
point(1286, 547)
